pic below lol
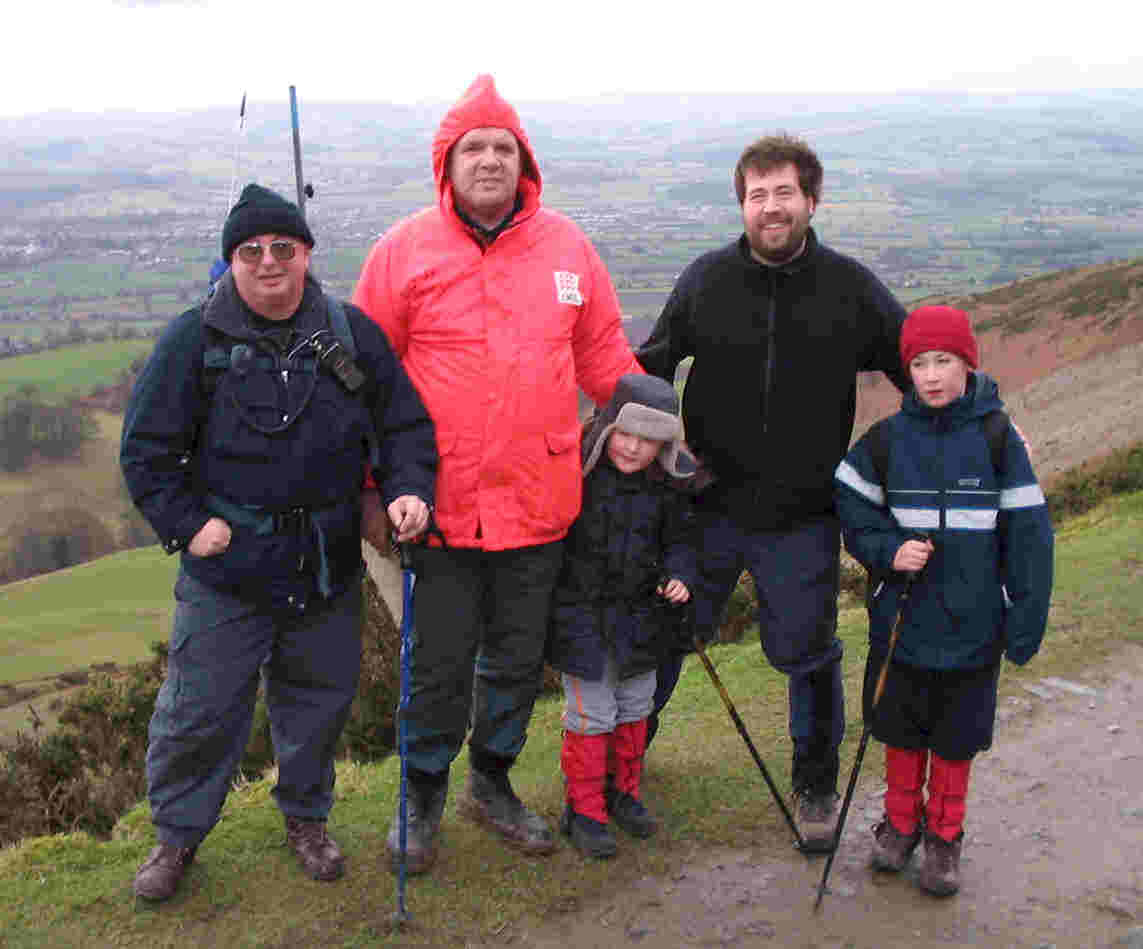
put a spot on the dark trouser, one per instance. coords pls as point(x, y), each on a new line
point(202, 718)
point(480, 621)
point(951, 712)
point(795, 573)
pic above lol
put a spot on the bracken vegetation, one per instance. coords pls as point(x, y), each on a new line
point(90, 770)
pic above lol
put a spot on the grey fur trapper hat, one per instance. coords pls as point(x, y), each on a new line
point(647, 406)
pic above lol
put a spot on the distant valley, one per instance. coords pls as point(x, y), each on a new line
point(115, 217)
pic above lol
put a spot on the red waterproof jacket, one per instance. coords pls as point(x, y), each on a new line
point(496, 340)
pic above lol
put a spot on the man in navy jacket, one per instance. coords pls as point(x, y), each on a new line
point(244, 444)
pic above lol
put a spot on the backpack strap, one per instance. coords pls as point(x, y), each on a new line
point(217, 354)
point(339, 323)
point(878, 442)
point(994, 425)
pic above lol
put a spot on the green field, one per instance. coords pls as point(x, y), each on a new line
point(38, 329)
point(105, 277)
point(71, 370)
point(108, 610)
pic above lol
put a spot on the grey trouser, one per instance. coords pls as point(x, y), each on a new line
point(595, 708)
point(202, 718)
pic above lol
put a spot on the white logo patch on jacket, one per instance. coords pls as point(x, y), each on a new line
point(567, 287)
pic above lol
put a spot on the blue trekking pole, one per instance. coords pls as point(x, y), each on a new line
point(408, 581)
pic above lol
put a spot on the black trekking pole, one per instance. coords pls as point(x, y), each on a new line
point(880, 687)
point(734, 717)
point(408, 581)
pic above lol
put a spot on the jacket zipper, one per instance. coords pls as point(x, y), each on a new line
point(770, 345)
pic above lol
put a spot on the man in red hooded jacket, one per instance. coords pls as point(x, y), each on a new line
point(498, 309)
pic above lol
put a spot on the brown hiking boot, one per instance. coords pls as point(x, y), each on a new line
point(319, 856)
point(940, 870)
point(159, 876)
point(891, 848)
point(489, 799)
point(424, 807)
point(816, 817)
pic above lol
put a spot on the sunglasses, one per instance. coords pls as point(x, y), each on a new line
point(280, 250)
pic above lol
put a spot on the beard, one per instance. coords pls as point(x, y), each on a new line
point(778, 253)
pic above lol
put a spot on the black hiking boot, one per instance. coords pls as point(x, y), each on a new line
point(891, 848)
point(816, 816)
point(940, 869)
point(423, 810)
point(488, 799)
point(630, 814)
point(588, 836)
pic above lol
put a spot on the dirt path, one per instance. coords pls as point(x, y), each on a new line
point(1053, 853)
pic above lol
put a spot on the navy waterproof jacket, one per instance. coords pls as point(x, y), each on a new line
point(987, 585)
point(633, 532)
point(278, 450)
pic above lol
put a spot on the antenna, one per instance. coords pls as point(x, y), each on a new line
point(304, 191)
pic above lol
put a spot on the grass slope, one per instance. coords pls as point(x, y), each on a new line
point(71, 370)
point(245, 891)
point(107, 610)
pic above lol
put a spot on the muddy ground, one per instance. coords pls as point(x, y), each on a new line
point(1053, 853)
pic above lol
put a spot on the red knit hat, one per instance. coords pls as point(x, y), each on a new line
point(945, 328)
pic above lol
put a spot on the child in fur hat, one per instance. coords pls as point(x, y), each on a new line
point(943, 492)
point(629, 559)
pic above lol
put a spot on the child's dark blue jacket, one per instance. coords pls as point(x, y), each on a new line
point(632, 532)
point(987, 585)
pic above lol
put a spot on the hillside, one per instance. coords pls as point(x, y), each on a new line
point(1040, 868)
point(1066, 349)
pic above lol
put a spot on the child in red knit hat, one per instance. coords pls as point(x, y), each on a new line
point(942, 496)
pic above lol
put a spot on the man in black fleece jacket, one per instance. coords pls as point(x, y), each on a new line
point(779, 325)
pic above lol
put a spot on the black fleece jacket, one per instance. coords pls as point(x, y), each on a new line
point(770, 400)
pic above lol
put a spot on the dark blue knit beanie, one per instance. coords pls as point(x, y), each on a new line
point(262, 211)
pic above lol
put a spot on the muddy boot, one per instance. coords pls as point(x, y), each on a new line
point(904, 806)
point(814, 772)
point(816, 813)
point(160, 874)
point(488, 799)
point(891, 848)
point(423, 810)
point(588, 836)
point(318, 854)
point(940, 869)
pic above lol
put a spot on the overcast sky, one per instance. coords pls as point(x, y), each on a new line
point(91, 55)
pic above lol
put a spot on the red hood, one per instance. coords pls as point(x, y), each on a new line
point(482, 106)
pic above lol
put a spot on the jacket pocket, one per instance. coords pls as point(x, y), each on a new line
point(454, 486)
point(560, 442)
point(552, 498)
